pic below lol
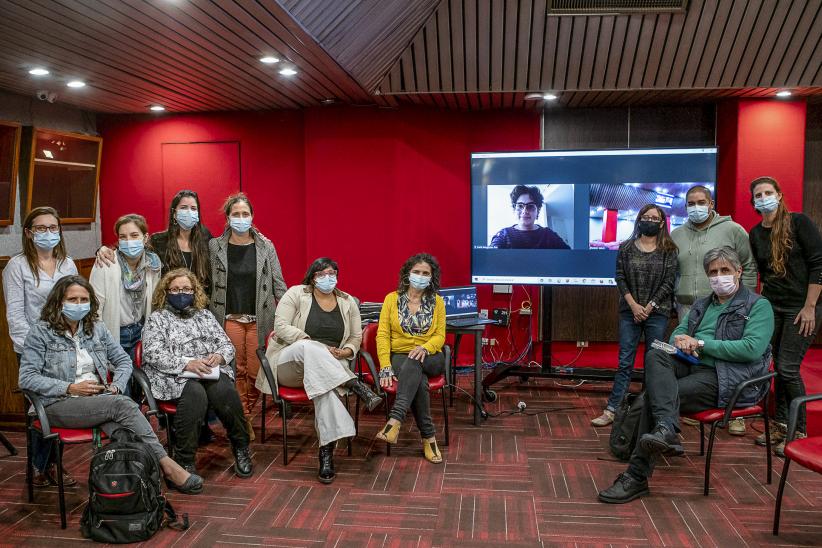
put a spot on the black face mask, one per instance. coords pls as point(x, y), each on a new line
point(649, 228)
point(180, 301)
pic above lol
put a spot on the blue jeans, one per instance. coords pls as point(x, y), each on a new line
point(130, 335)
point(629, 333)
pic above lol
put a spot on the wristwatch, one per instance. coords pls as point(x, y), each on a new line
point(700, 343)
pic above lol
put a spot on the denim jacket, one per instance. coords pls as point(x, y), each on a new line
point(49, 361)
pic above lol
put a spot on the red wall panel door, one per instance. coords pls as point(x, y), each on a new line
point(212, 170)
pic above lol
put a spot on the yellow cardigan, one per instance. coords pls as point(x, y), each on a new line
point(392, 338)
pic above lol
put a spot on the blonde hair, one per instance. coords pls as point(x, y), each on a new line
point(158, 301)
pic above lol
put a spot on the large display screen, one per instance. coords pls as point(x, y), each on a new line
point(584, 207)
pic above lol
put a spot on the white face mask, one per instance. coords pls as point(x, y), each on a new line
point(723, 286)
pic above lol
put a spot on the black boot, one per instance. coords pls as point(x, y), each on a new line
point(327, 473)
point(368, 397)
point(662, 440)
point(242, 462)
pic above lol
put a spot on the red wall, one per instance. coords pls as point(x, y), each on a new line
point(271, 145)
point(759, 138)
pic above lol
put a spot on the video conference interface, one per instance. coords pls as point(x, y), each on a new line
point(584, 207)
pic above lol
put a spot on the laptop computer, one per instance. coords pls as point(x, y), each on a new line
point(461, 307)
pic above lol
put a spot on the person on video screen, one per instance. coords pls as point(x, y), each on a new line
point(526, 234)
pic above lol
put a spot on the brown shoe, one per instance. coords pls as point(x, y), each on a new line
point(778, 433)
point(68, 480)
point(779, 450)
point(40, 479)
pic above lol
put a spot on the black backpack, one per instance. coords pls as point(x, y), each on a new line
point(626, 425)
point(126, 502)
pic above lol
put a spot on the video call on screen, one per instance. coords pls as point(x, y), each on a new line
point(590, 200)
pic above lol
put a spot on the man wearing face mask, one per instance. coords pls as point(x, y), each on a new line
point(730, 332)
point(706, 230)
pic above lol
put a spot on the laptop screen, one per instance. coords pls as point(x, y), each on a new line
point(460, 302)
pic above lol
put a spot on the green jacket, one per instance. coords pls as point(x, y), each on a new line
point(693, 244)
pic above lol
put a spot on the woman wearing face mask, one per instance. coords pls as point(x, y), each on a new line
point(410, 338)
point(788, 251)
point(66, 362)
point(317, 331)
point(183, 245)
point(246, 277)
point(526, 202)
point(187, 355)
point(124, 289)
point(645, 276)
point(27, 281)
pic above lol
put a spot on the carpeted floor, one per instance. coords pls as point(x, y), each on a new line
point(519, 480)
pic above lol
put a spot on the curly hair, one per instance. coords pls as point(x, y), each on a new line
point(532, 192)
point(158, 301)
point(405, 271)
point(52, 312)
point(782, 231)
point(30, 250)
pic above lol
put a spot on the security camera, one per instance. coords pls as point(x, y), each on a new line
point(45, 95)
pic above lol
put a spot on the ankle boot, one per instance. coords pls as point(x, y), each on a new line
point(327, 473)
point(243, 466)
point(368, 397)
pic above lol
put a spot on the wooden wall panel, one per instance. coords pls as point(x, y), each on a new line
point(812, 199)
point(589, 313)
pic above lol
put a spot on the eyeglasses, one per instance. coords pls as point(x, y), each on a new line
point(181, 290)
point(530, 206)
point(652, 219)
point(42, 229)
point(318, 275)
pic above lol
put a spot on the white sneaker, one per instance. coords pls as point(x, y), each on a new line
point(737, 427)
point(606, 418)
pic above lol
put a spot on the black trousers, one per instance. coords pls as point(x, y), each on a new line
point(195, 400)
point(789, 348)
point(671, 387)
point(412, 391)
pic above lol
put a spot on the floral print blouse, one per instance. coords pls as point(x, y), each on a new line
point(170, 341)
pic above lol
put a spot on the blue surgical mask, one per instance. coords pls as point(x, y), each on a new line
point(698, 214)
point(76, 311)
point(768, 204)
point(418, 281)
point(326, 284)
point(131, 248)
point(240, 225)
point(187, 218)
point(47, 240)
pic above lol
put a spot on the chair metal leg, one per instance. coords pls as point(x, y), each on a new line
point(285, 433)
point(767, 441)
point(708, 459)
point(445, 417)
point(171, 439)
point(262, 420)
point(779, 493)
point(701, 439)
point(8, 445)
point(351, 440)
point(60, 487)
point(29, 461)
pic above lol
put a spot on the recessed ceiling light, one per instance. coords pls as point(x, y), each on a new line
point(76, 84)
point(533, 96)
point(288, 72)
point(269, 60)
point(549, 97)
point(328, 101)
point(783, 93)
point(157, 108)
point(38, 72)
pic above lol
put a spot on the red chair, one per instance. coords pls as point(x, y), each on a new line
point(164, 409)
point(369, 375)
point(39, 422)
point(806, 452)
point(721, 417)
point(283, 397)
